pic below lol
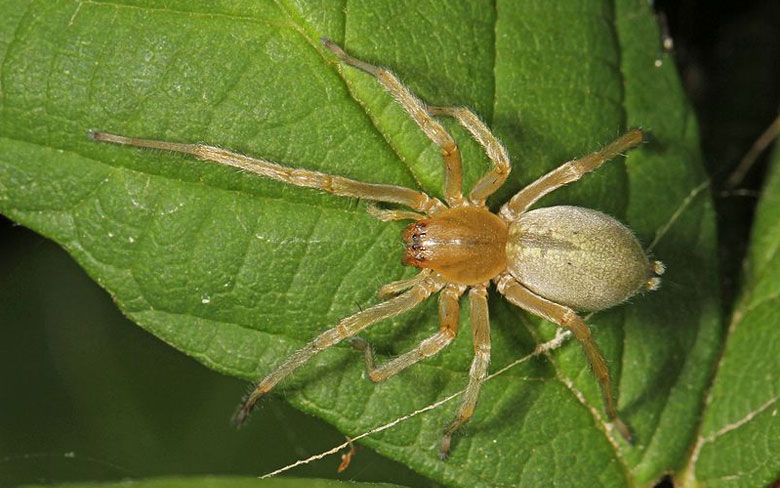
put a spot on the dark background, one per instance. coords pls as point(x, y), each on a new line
point(97, 398)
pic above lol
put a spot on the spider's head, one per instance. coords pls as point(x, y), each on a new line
point(416, 247)
point(466, 245)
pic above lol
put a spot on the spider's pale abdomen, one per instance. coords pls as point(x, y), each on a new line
point(577, 257)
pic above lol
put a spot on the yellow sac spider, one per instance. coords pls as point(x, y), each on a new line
point(549, 261)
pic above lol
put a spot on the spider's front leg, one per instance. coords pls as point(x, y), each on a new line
point(449, 314)
point(566, 317)
point(453, 177)
point(389, 215)
point(496, 152)
point(334, 184)
point(347, 327)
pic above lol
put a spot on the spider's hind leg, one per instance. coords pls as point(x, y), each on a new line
point(567, 318)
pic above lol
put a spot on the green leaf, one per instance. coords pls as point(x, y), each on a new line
point(238, 271)
point(740, 435)
point(223, 482)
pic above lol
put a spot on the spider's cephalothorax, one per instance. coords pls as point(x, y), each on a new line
point(465, 245)
point(549, 261)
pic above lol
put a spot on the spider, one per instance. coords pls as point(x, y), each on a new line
point(551, 261)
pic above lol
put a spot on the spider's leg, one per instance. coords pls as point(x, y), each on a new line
point(347, 327)
point(567, 173)
point(395, 287)
point(449, 314)
point(388, 215)
point(496, 152)
point(337, 185)
point(453, 178)
point(480, 334)
point(568, 318)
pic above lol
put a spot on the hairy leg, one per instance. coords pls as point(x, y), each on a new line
point(347, 327)
point(449, 314)
point(394, 288)
point(496, 177)
point(567, 173)
point(337, 185)
point(480, 334)
point(453, 178)
point(566, 317)
point(388, 215)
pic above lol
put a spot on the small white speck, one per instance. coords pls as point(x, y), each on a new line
point(205, 299)
point(70, 454)
point(111, 234)
point(131, 239)
point(659, 63)
point(774, 413)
